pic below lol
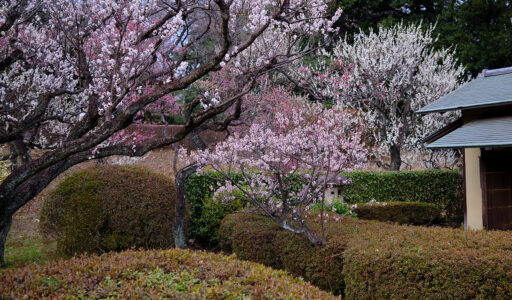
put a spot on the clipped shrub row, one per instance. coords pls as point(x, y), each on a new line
point(205, 213)
point(257, 238)
point(374, 260)
point(443, 188)
point(413, 262)
point(207, 224)
point(110, 208)
point(169, 274)
point(411, 213)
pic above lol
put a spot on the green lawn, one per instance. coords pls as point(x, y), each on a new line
point(23, 250)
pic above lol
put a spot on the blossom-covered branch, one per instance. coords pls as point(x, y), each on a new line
point(75, 73)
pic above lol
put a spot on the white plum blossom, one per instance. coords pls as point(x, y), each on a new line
point(387, 75)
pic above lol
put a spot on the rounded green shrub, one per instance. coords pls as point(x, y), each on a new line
point(165, 274)
point(110, 208)
point(413, 213)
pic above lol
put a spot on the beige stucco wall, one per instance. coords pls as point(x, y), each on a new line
point(473, 189)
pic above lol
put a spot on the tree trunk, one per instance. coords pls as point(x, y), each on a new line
point(181, 205)
point(13, 157)
point(313, 237)
point(396, 160)
point(4, 230)
point(308, 233)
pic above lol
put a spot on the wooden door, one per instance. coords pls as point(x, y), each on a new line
point(497, 188)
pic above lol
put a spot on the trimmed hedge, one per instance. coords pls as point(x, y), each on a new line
point(370, 259)
point(208, 222)
point(257, 238)
point(205, 215)
point(413, 213)
point(169, 274)
point(444, 188)
point(415, 262)
point(110, 208)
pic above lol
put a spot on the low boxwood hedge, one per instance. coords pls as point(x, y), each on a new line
point(374, 260)
point(443, 188)
point(413, 213)
point(169, 274)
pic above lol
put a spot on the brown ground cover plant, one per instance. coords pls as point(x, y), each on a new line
point(155, 274)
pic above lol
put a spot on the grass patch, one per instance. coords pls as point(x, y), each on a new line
point(25, 244)
point(22, 250)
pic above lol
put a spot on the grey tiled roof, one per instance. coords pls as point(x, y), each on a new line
point(492, 132)
point(483, 91)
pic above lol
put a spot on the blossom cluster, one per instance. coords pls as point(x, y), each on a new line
point(307, 140)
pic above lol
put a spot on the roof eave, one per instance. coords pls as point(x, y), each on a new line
point(442, 132)
point(423, 111)
point(460, 146)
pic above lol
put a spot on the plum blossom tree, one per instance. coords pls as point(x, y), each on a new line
point(387, 75)
point(74, 73)
point(308, 140)
point(259, 105)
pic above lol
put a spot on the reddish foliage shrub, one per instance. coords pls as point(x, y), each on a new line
point(414, 213)
point(170, 274)
point(110, 208)
point(370, 259)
